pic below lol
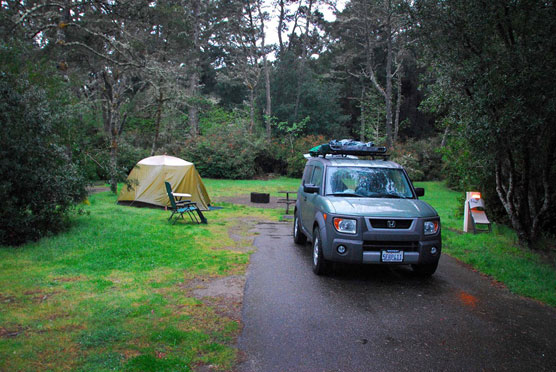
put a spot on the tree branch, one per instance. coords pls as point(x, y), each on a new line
point(34, 9)
point(85, 46)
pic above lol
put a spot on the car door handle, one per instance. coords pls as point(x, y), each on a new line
point(304, 198)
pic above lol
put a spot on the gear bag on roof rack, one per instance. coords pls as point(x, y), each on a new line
point(348, 147)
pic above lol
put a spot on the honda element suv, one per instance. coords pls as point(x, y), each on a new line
point(364, 211)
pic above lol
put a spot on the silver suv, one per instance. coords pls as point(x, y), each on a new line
point(365, 211)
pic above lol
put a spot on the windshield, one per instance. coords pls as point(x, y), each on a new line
point(367, 182)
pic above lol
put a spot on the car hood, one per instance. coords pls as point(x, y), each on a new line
point(380, 207)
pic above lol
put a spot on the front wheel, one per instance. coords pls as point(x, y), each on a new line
point(424, 270)
point(298, 236)
point(320, 265)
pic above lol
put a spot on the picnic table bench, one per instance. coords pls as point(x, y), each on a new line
point(287, 200)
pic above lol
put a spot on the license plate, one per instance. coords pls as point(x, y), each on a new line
point(392, 256)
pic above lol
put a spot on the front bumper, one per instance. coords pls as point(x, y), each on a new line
point(366, 247)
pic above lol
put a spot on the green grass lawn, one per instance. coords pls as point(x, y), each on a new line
point(114, 292)
point(497, 254)
point(222, 188)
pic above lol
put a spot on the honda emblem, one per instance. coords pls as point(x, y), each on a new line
point(391, 224)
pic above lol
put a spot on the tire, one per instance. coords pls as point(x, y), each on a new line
point(424, 270)
point(298, 235)
point(320, 265)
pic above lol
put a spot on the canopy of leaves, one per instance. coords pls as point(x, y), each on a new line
point(38, 181)
point(318, 99)
point(494, 64)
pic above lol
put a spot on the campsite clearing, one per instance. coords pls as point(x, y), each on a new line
point(126, 290)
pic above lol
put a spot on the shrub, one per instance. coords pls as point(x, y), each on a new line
point(295, 160)
point(270, 159)
point(421, 159)
point(38, 181)
point(96, 165)
point(461, 170)
point(464, 171)
point(230, 153)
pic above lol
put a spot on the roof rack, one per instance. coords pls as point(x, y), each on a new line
point(349, 147)
point(332, 156)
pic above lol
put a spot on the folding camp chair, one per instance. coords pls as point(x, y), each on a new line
point(179, 207)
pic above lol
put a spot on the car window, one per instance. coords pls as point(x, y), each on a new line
point(368, 182)
point(307, 174)
point(317, 176)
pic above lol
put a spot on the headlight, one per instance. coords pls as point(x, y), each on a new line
point(345, 225)
point(431, 227)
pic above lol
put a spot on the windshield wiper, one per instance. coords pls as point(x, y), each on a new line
point(393, 196)
point(346, 194)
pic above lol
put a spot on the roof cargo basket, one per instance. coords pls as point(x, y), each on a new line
point(348, 147)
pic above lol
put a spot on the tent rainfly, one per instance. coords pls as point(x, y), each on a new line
point(147, 180)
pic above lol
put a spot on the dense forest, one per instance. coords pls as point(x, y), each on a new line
point(458, 90)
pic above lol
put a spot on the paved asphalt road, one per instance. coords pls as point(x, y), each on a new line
point(369, 318)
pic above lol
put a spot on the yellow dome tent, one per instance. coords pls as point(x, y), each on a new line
point(147, 181)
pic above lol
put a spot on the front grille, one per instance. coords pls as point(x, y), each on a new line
point(375, 245)
point(380, 223)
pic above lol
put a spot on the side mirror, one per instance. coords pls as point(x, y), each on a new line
point(420, 191)
point(311, 189)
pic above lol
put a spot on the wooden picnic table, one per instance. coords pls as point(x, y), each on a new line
point(287, 200)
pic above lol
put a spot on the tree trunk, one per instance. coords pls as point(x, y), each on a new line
point(298, 94)
point(280, 26)
point(547, 182)
point(363, 118)
point(377, 125)
point(268, 110)
point(65, 19)
point(388, 92)
point(251, 110)
point(507, 195)
point(301, 71)
point(114, 165)
point(398, 103)
point(109, 113)
point(158, 118)
point(193, 85)
point(193, 119)
point(445, 136)
point(268, 100)
point(114, 134)
point(114, 83)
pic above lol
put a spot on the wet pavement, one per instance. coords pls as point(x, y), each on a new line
point(376, 318)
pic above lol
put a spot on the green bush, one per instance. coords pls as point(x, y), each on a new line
point(421, 159)
point(295, 160)
point(39, 183)
point(230, 154)
point(128, 156)
point(269, 159)
point(91, 147)
point(465, 171)
point(456, 164)
point(412, 166)
point(226, 150)
point(461, 170)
